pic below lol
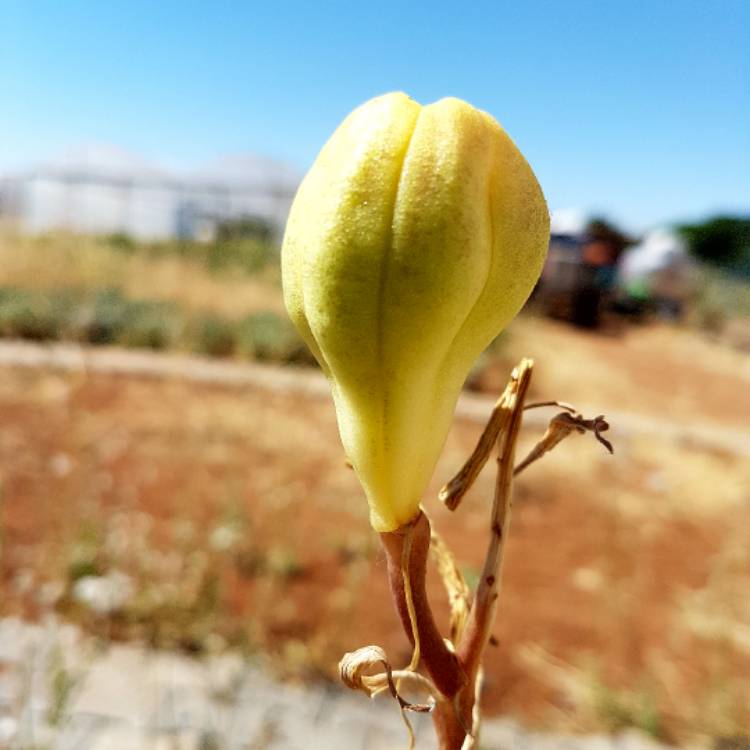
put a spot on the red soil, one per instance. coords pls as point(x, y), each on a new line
point(592, 586)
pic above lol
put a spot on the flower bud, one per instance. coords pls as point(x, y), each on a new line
point(415, 237)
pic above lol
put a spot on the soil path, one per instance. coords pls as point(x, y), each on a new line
point(472, 406)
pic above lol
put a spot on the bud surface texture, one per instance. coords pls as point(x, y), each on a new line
point(416, 236)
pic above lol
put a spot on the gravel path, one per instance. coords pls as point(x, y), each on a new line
point(60, 690)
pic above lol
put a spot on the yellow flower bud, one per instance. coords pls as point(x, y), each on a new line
point(415, 237)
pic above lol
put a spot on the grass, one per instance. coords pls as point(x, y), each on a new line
point(220, 300)
point(62, 684)
point(231, 279)
point(246, 255)
point(618, 710)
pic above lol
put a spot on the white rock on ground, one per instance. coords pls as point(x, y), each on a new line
point(132, 698)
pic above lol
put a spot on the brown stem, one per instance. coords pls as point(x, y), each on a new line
point(482, 614)
point(458, 677)
point(441, 663)
point(452, 721)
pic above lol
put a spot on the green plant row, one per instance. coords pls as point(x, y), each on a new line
point(107, 317)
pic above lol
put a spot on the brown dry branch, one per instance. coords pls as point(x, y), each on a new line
point(459, 594)
point(482, 614)
point(353, 669)
point(453, 492)
point(455, 665)
point(562, 425)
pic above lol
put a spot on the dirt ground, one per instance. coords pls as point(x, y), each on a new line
point(656, 370)
point(233, 518)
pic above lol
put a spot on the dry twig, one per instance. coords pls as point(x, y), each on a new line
point(562, 425)
point(453, 492)
point(482, 615)
point(456, 665)
point(459, 594)
point(353, 670)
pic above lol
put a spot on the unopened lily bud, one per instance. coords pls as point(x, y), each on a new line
point(416, 236)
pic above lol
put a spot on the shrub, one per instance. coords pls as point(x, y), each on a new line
point(723, 241)
point(212, 335)
point(28, 315)
point(102, 318)
point(266, 336)
point(250, 255)
point(122, 242)
point(107, 317)
point(149, 325)
point(247, 227)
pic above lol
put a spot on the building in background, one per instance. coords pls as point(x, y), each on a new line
point(105, 190)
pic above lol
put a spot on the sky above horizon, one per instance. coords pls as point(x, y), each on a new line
point(636, 111)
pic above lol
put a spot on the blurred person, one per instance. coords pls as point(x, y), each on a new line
point(602, 248)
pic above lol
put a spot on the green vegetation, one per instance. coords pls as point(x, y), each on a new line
point(620, 710)
point(219, 299)
point(723, 242)
point(62, 684)
point(108, 317)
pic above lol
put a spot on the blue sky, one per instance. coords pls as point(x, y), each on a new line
point(637, 110)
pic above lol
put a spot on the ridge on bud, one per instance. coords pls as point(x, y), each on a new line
point(415, 237)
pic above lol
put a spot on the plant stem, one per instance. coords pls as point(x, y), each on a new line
point(458, 676)
point(440, 661)
point(456, 666)
point(482, 614)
